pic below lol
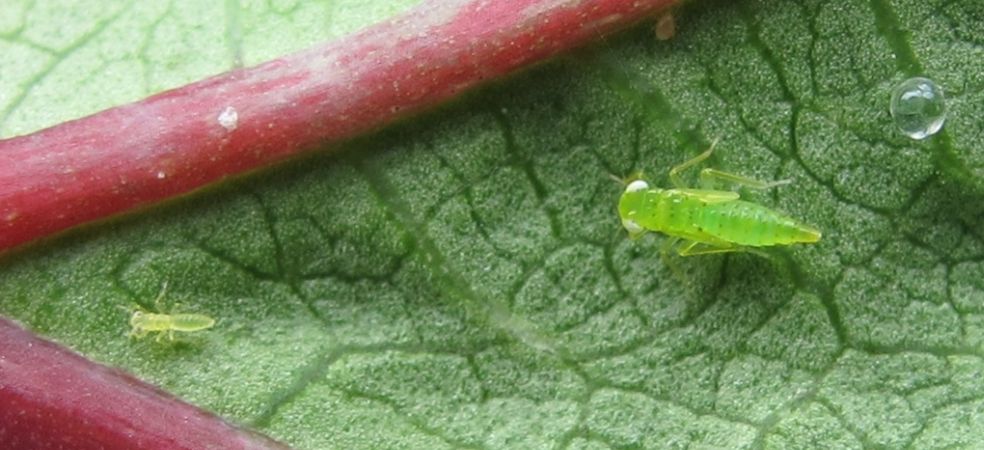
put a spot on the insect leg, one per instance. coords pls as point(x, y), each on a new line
point(694, 249)
point(709, 176)
point(699, 248)
point(635, 235)
point(667, 259)
point(668, 244)
point(675, 171)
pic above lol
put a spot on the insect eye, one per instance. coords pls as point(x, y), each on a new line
point(636, 185)
point(631, 226)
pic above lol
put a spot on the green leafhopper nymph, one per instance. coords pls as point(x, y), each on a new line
point(703, 221)
point(143, 322)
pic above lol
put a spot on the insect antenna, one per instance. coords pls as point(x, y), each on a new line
point(626, 180)
point(160, 296)
point(134, 306)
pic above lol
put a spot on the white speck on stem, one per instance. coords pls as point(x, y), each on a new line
point(229, 118)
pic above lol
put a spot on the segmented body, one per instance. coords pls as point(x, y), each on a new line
point(146, 322)
point(718, 219)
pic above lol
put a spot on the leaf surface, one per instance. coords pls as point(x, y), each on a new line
point(461, 281)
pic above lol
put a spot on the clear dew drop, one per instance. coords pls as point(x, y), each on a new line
point(918, 107)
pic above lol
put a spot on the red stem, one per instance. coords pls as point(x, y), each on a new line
point(52, 398)
point(183, 139)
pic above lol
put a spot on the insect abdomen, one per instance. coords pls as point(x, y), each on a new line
point(150, 321)
point(191, 322)
point(750, 224)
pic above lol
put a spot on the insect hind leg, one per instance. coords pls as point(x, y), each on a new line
point(692, 248)
point(666, 257)
point(699, 248)
point(675, 171)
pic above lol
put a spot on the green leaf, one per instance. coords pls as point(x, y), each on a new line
point(461, 281)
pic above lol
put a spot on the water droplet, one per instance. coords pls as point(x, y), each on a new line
point(918, 107)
